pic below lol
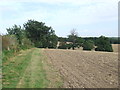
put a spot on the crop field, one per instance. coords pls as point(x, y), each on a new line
point(54, 68)
point(84, 69)
point(115, 47)
point(59, 44)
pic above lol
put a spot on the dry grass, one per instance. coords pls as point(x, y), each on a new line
point(115, 47)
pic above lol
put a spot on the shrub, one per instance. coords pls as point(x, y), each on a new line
point(26, 44)
point(88, 45)
point(5, 42)
point(8, 41)
point(69, 46)
point(63, 46)
point(103, 44)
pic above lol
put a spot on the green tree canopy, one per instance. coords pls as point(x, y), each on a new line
point(88, 45)
point(103, 44)
point(79, 41)
point(40, 34)
point(17, 31)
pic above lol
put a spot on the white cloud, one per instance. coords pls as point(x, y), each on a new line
point(81, 12)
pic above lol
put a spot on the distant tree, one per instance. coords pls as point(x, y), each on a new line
point(73, 37)
point(103, 44)
point(63, 39)
point(79, 41)
point(88, 45)
point(114, 40)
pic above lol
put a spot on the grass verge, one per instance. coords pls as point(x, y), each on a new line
point(13, 69)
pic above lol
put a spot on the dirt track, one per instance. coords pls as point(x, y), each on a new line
point(83, 69)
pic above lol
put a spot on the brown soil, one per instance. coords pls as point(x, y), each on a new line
point(84, 69)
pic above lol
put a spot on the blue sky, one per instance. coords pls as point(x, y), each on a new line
point(88, 17)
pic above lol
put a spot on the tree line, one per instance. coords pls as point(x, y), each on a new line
point(101, 43)
point(30, 34)
point(37, 34)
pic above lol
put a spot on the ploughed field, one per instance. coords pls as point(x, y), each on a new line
point(85, 69)
point(54, 68)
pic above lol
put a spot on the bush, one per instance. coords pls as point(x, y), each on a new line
point(69, 46)
point(26, 44)
point(103, 44)
point(10, 46)
point(9, 42)
point(5, 42)
point(88, 45)
point(63, 46)
point(107, 48)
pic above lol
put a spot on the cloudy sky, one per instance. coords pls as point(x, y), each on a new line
point(88, 17)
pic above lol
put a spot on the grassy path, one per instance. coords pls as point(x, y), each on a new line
point(34, 75)
point(29, 69)
point(13, 68)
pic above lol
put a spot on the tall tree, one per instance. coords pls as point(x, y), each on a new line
point(73, 37)
point(39, 33)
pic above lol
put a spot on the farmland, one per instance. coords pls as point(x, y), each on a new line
point(115, 47)
point(32, 58)
point(70, 45)
point(85, 69)
point(54, 68)
point(29, 70)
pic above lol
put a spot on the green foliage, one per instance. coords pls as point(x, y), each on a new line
point(103, 44)
point(52, 41)
point(26, 43)
point(17, 31)
point(79, 41)
point(11, 46)
point(88, 45)
point(41, 35)
point(64, 45)
point(69, 46)
point(62, 39)
point(114, 40)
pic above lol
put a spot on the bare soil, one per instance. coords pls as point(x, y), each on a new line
point(85, 69)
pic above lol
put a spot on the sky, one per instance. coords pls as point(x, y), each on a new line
point(90, 18)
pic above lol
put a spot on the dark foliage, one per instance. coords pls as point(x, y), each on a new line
point(103, 44)
point(88, 45)
point(41, 35)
